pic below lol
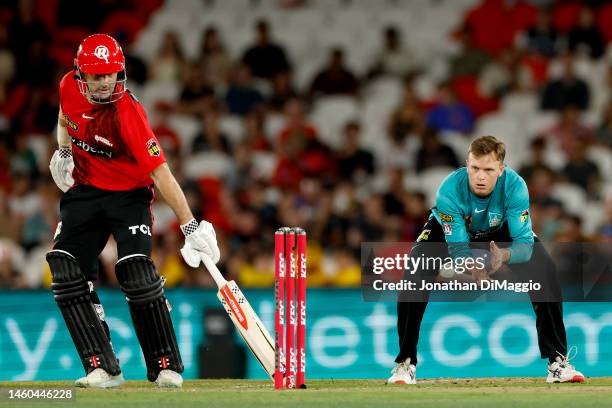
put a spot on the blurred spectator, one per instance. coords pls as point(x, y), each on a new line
point(354, 163)
point(210, 139)
point(335, 77)
point(7, 60)
point(165, 134)
point(282, 91)
point(39, 114)
point(24, 160)
point(581, 171)
point(407, 119)
point(603, 134)
point(585, 38)
point(299, 151)
point(569, 130)
point(242, 96)
point(24, 29)
point(450, 114)
point(470, 59)
point(38, 228)
point(567, 90)
point(254, 133)
point(9, 224)
point(168, 63)
point(535, 160)
point(215, 60)
point(264, 58)
point(606, 229)
point(11, 265)
point(503, 75)
point(570, 230)
point(434, 153)
point(395, 195)
point(167, 257)
point(136, 67)
point(495, 23)
point(197, 96)
point(37, 56)
point(415, 216)
point(394, 59)
point(543, 37)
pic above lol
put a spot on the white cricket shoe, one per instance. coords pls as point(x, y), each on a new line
point(169, 379)
point(561, 371)
point(99, 378)
point(403, 373)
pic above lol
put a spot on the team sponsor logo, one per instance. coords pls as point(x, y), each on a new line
point(144, 229)
point(103, 140)
point(524, 216)
point(448, 229)
point(494, 219)
point(67, 122)
point(445, 217)
point(232, 303)
point(102, 53)
point(153, 148)
point(424, 235)
point(92, 150)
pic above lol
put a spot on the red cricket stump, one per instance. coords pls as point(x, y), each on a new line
point(290, 322)
point(290, 306)
point(279, 310)
point(301, 301)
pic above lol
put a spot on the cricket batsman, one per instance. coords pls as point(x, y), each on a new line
point(107, 163)
point(485, 202)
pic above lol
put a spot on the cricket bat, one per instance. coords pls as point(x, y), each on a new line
point(244, 318)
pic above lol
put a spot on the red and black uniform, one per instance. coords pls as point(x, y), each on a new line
point(114, 152)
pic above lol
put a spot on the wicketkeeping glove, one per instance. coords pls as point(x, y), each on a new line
point(61, 167)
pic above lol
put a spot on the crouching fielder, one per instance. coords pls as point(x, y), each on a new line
point(486, 202)
point(107, 162)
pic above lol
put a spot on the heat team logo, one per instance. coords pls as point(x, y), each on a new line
point(153, 148)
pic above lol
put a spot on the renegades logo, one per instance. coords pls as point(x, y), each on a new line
point(152, 148)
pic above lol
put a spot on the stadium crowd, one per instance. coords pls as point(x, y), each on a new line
point(256, 159)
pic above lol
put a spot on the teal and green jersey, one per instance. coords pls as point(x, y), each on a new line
point(465, 217)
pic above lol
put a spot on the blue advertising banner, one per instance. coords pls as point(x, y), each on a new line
point(346, 337)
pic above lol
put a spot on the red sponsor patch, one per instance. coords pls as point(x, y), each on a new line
point(234, 306)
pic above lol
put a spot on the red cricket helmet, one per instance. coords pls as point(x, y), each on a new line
point(100, 54)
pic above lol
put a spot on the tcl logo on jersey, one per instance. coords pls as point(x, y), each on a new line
point(144, 229)
point(90, 149)
point(153, 148)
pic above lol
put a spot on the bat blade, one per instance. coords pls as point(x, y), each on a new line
point(248, 325)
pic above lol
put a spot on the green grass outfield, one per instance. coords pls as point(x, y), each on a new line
point(455, 393)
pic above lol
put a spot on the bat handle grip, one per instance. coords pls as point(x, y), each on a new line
point(214, 271)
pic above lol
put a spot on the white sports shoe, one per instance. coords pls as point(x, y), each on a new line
point(561, 371)
point(169, 379)
point(99, 378)
point(403, 373)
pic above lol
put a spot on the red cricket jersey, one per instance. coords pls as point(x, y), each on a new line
point(113, 145)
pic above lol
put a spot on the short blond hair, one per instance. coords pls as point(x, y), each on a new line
point(484, 145)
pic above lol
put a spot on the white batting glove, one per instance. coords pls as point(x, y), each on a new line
point(61, 167)
point(199, 238)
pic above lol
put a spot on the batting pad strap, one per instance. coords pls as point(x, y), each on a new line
point(72, 294)
point(143, 288)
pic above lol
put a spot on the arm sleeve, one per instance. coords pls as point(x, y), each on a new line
point(139, 138)
point(519, 223)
